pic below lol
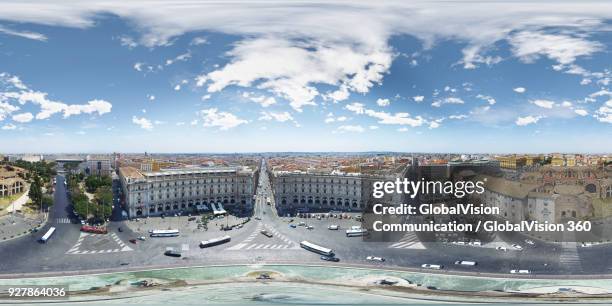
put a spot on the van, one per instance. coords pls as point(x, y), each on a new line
point(466, 262)
point(433, 267)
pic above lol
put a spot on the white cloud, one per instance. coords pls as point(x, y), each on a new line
point(397, 118)
point(530, 45)
point(383, 102)
point(177, 87)
point(47, 107)
point(151, 97)
point(179, 58)
point(23, 117)
point(386, 118)
point(566, 104)
point(201, 40)
point(418, 98)
point(290, 68)
point(520, 89)
point(206, 97)
point(128, 42)
point(403, 129)
point(212, 117)
point(449, 100)
point(180, 123)
point(435, 123)
point(280, 117)
point(489, 99)
point(7, 109)
point(522, 121)
point(138, 66)
point(261, 100)
point(144, 123)
point(23, 34)
point(604, 113)
point(457, 117)
point(194, 122)
point(581, 112)
point(356, 107)
point(373, 127)
point(350, 128)
point(9, 126)
point(543, 103)
point(80, 133)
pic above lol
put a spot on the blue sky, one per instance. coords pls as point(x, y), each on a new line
point(321, 76)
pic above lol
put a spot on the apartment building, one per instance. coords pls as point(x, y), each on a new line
point(171, 191)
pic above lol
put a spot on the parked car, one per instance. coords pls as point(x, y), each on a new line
point(292, 225)
point(432, 266)
point(375, 258)
point(142, 238)
point(517, 247)
point(501, 248)
point(515, 271)
point(330, 258)
point(266, 233)
point(172, 253)
point(529, 242)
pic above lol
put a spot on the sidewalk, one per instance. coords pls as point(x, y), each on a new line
point(16, 225)
point(18, 204)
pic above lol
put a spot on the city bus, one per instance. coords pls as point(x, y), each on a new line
point(47, 235)
point(215, 241)
point(356, 232)
point(164, 233)
point(316, 248)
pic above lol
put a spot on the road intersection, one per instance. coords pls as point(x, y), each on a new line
point(71, 250)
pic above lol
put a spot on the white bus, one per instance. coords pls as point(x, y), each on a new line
point(215, 241)
point(316, 248)
point(164, 233)
point(47, 235)
point(356, 232)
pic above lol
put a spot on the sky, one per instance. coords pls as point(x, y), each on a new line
point(273, 76)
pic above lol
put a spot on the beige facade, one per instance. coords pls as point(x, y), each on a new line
point(176, 190)
point(317, 191)
point(10, 181)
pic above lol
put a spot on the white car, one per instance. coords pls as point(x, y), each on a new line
point(475, 243)
point(501, 248)
point(142, 238)
point(529, 242)
point(333, 227)
point(375, 258)
point(430, 266)
point(514, 271)
point(518, 247)
point(309, 227)
point(466, 262)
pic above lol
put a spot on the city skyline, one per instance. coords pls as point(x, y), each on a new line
point(206, 77)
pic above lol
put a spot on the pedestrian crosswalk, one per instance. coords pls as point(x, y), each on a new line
point(248, 244)
point(259, 246)
point(569, 257)
point(62, 220)
point(409, 241)
point(79, 247)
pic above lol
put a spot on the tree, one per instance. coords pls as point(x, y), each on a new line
point(47, 201)
point(104, 201)
point(36, 193)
